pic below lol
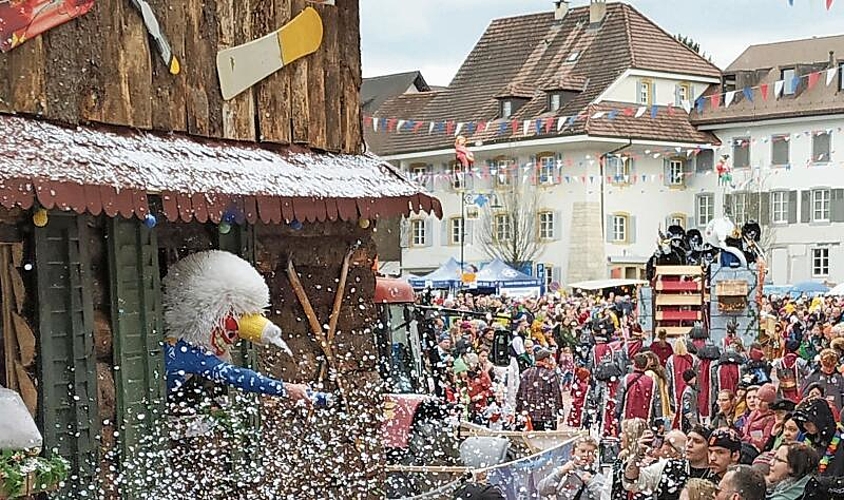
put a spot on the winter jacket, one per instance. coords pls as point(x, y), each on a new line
point(833, 385)
point(788, 489)
point(758, 427)
point(721, 420)
point(788, 374)
point(691, 415)
point(571, 486)
point(817, 412)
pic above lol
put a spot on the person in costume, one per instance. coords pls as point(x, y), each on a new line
point(789, 371)
point(677, 364)
point(638, 393)
point(211, 300)
point(465, 158)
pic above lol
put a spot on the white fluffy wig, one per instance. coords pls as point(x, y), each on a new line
point(203, 289)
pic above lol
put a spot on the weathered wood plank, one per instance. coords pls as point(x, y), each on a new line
point(234, 29)
point(136, 72)
point(26, 67)
point(117, 108)
point(333, 84)
point(89, 46)
point(6, 100)
point(62, 73)
point(272, 95)
point(204, 101)
point(316, 89)
point(299, 113)
point(168, 91)
point(350, 76)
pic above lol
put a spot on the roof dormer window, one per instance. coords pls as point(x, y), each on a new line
point(554, 101)
point(508, 106)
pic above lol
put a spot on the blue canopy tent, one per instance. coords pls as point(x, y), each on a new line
point(499, 275)
point(810, 288)
point(446, 276)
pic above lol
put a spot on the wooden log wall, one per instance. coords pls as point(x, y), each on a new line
point(102, 67)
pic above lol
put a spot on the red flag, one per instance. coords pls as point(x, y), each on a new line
point(391, 124)
point(418, 126)
point(514, 124)
point(828, 4)
point(670, 110)
point(367, 121)
point(814, 77)
point(449, 128)
point(716, 100)
point(763, 89)
point(628, 112)
point(481, 127)
point(549, 122)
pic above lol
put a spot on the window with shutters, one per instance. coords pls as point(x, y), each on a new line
point(821, 146)
point(789, 82)
point(547, 167)
point(620, 225)
point(676, 169)
point(741, 152)
point(705, 208)
point(779, 207)
point(418, 233)
point(645, 92)
point(546, 226)
point(780, 150)
point(455, 230)
point(820, 262)
point(619, 169)
point(820, 205)
point(503, 227)
point(549, 276)
point(739, 208)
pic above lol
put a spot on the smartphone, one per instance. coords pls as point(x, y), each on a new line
point(658, 442)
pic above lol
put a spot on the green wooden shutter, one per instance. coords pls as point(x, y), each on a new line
point(67, 363)
point(137, 324)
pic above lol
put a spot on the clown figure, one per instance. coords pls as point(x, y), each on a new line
point(211, 300)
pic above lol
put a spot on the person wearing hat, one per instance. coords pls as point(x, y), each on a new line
point(788, 372)
point(540, 397)
point(665, 478)
point(724, 450)
point(828, 377)
point(760, 422)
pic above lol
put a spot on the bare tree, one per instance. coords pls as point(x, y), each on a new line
point(510, 232)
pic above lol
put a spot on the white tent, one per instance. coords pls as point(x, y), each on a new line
point(837, 291)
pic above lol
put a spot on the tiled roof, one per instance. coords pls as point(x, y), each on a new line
point(761, 65)
point(527, 55)
point(374, 91)
point(805, 51)
point(666, 126)
point(113, 170)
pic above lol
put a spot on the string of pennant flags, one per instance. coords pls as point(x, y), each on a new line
point(548, 125)
point(828, 3)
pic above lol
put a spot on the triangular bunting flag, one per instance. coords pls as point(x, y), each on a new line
point(449, 128)
point(763, 90)
point(813, 78)
point(599, 114)
point(560, 122)
point(481, 126)
point(748, 93)
point(549, 124)
point(699, 103)
point(538, 126)
point(375, 125)
point(612, 114)
point(728, 98)
point(628, 111)
point(670, 110)
point(502, 127)
point(654, 111)
point(641, 111)
point(514, 124)
point(716, 100)
point(400, 125)
point(687, 105)
point(830, 75)
point(525, 127)
point(458, 129)
point(828, 4)
point(431, 127)
point(778, 86)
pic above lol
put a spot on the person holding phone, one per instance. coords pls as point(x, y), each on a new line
point(577, 478)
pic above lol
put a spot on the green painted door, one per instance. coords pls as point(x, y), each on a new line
point(67, 363)
point(139, 372)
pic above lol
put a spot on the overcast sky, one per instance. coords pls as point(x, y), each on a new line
point(434, 36)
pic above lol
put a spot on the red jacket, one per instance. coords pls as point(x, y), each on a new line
point(758, 428)
point(480, 390)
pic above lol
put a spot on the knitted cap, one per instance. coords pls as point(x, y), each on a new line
point(767, 393)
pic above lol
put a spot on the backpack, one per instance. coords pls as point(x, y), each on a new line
point(607, 368)
point(709, 351)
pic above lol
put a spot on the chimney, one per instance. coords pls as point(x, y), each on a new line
point(561, 8)
point(597, 11)
point(831, 63)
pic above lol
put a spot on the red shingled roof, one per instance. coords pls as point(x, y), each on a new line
point(534, 53)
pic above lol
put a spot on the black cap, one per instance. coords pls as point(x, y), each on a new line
point(783, 404)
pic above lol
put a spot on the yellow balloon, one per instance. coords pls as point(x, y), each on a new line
point(40, 218)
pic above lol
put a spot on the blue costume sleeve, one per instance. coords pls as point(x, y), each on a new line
point(183, 359)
